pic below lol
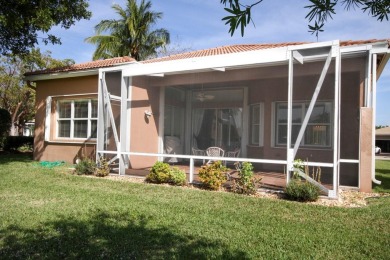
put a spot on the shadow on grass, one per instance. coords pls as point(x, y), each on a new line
point(8, 157)
point(119, 236)
point(385, 182)
point(382, 171)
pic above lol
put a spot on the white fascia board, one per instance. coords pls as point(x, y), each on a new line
point(77, 73)
point(377, 47)
point(352, 49)
point(61, 75)
point(119, 67)
point(313, 45)
point(277, 55)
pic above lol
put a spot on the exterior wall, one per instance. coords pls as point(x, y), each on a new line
point(144, 130)
point(58, 149)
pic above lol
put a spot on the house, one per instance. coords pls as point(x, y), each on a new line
point(382, 139)
point(274, 103)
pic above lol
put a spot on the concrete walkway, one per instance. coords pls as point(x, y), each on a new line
point(382, 156)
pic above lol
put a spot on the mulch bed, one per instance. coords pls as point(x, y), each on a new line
point(347, 198)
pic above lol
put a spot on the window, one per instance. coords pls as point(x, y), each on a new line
point(318, 130)
point(77, 118)
point(173, 121)
point(256, 124)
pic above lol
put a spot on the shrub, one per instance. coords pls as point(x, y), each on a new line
point(303, 191)
point(102, 169)
point(5, 122)
point(213, 176)
point(13, 143)
point(246, 183)
point(159, 173)
point(85, 166)
point(177, 177)
point(162, 173)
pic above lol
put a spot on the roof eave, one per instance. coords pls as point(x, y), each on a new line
point(61, 75)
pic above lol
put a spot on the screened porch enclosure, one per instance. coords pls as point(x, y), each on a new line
point(273, 112)
point(196, 118)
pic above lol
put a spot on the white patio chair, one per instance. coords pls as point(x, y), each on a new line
point(235, 153)
point(199, 152)
point(214, 152)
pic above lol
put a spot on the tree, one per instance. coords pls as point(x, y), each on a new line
point(130, 35)
point(22, 20)
point(17, 96)
point(319, 12)
point(173, 48)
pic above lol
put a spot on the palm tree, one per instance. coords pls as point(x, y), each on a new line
point(131, 35)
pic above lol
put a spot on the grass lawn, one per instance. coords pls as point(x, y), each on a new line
point(382, 168)
point(46, 214)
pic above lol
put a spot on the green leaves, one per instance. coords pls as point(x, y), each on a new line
point(131, 34)
point(21, 21)
point(239, 17)
point(379, 9)
point(319, 12)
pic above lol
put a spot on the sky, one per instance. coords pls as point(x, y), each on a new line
point(196, 25)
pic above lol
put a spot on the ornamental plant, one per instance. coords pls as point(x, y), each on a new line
point(303, 191)
point(85, 166)
point(162, 173)
point(159, 173)
point(102, 169)
point(246, 182)
point(300, 189)
point(177, 177)
point(213, 176)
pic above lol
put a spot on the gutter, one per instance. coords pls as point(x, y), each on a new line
point(60, 75)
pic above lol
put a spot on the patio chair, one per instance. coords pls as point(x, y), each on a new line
point(196, 151)
point(235, 153)
point(214, 152)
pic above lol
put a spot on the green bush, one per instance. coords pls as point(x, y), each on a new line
point(85, 166)
point(5, 122)
point(159, 173)
point(302, 190)
point(213, 176)
point(177, 177)
point(162, 173)
point(246, 182)
point(13, 143)
point(102, 169)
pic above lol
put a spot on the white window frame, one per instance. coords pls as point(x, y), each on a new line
point(260, 123)
point(303, 105)
point(72, 119)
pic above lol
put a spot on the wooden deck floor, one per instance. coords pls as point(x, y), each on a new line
point(269, 180)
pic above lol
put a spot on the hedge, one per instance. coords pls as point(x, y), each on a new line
point(14, 142)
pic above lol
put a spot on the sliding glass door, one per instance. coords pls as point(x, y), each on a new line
point(217, 119)
point(217, 127)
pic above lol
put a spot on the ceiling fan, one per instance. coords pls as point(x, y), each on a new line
point(201, 96)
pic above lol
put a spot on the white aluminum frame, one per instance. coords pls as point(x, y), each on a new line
point(249, 59)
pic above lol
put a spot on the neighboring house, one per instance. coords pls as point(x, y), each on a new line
point(272, 102)
point(28, 128)
point(382, 139)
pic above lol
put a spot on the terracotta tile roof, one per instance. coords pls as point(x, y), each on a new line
point(246, 47)
point(223, 50)
point(188, 55)
point(86, 65)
